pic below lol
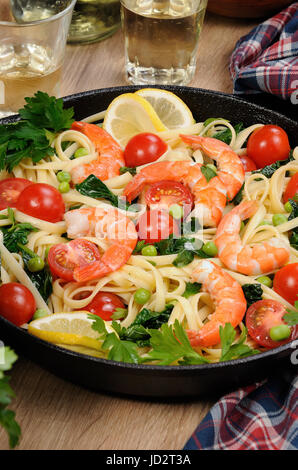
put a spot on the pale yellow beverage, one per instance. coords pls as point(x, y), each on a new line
point(161, 40)
point(94, 20)
point(33, 36)
point(24, 70)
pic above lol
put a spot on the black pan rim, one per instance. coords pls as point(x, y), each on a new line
point(285, 349)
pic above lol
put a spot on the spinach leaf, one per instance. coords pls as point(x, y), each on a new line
point(208, 172)
point(239, 196)
point(131, 170)
point(293, 215)
point(15, 235)
point(226, 135)
point(253, 293)
point(41, 279)
point(270, 169)
point(95, 188)
point(191, 288)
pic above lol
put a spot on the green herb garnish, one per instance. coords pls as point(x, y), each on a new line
point(231, 350)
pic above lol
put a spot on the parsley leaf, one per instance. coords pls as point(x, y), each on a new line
point(233, 351)
point(191, 288)
point(118, 350)
point(31, 137)
point(171, 344)
point(46, 111)
point(292, 316)
point(7, 417)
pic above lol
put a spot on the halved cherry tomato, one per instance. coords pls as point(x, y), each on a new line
point(65, 257)
point(144, 148)
point(104, 305)
point(291, 189)
point(156, 225)
point(285, 282)
point(268, 144)
point(248, 163)
point(261, 317)
point(17, 303)
point(42, 201)
point(10, 189)
point(166, 193)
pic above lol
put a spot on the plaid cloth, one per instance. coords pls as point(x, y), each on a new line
point(266, 59)
point(258, 417)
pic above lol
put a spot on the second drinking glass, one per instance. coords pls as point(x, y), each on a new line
point(161, 39)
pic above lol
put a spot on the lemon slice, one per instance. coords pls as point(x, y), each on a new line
point(66, 328)
point(171, 110)
point(128, 115)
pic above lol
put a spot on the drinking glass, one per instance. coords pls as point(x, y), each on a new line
point(161, 39)
point(32, 44)
point(94, 20)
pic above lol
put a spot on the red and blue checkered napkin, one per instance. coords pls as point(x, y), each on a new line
point(259, 417)
point(266, 59)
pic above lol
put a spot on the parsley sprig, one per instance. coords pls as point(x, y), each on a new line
point(31, 136)
point(7, 416)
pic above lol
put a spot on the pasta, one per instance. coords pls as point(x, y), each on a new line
point(166, 282)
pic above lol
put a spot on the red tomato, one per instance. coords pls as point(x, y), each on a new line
point(285, 282)
point(261, 317)
point(248, 163)
point(291, 189)
point(65, 257)
point(104, 305)
point(144, 148)
point(17, 303)
point(41, 201)
point(268, 144)
point(166, 193)
point(10, 189)
point(156, 225)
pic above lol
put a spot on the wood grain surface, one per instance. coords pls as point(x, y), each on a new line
point(55, 414)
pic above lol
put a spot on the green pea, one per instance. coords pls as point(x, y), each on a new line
point(210, 249)
point(279, 219)
point(35, 264)
point(39, 313)
point(265, 280)
point(288, 207)
point(280, 332)
point(80, 152)
point(142, 296)
point(176, 211)
point(64, 187)
point(149, 250)
point(265, 222)
point(63, 176)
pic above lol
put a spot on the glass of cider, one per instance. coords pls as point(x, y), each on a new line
point(33, 36)
point(161, 40)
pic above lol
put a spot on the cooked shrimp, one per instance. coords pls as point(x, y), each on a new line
point(110, 156)
point(228, 298)
point(210, 198)
point(231, 172)
point(106, 224)
point(250, 260)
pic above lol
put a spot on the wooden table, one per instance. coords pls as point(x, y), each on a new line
point(54, 414)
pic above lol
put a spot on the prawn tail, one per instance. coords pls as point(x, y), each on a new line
point(194, 140)
point(134, 187)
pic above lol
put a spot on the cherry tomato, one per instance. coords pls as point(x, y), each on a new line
point(166, 193)
point(41, 201)
point(285, 282)
point(261, 317)
point(143, 148)
point(17, 303)
point(248, 163)
point(268, 144)
point(10, 189)
point(104, 305)
point(65, 257)
point(156, 225)
point(291, 189)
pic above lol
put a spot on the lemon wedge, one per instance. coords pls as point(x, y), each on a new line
point(170, 109)
point(66, 328)
point(128, 115)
